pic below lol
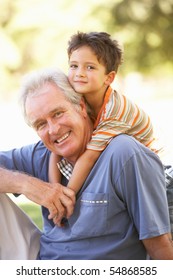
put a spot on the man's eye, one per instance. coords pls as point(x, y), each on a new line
point(39, 126)
point(58, 114)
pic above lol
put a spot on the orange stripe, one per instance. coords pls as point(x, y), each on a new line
point(135, 119)
point(107, 95)
point(148, 144)
point(142, 130)
point(123, 108)
point(104, 133)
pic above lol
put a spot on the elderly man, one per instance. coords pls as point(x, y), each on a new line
point(121, 211)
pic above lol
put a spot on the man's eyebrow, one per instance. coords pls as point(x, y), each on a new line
point(51, 113)
point(35, 123)
point(57, 109)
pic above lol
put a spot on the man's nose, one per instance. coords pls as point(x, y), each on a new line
point(53, 128)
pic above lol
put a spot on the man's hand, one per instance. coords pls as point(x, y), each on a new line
point(59, 200)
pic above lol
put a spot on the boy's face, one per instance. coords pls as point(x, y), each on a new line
point(86, 74)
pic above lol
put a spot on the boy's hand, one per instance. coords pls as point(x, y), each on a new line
point(62, 201)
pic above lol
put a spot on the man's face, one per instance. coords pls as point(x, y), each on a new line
point(62, 127)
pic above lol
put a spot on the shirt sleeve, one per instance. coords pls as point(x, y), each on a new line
point(121, 116)
point(142, 188)
point(32, 159)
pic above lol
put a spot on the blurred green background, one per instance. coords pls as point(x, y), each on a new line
point(34, 211)
point(34, 34)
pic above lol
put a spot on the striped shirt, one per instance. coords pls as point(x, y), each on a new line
point(120, 115)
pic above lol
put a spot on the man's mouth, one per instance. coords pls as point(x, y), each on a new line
point(65, 136)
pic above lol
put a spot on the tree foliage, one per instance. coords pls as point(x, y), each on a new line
point(34, 33)
point(146, 30)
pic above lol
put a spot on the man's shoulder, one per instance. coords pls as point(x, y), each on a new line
point(126, 142)
point(32, 159)
point(126, 146)
point(39, 146)
point(33, 150)
point(38, 152)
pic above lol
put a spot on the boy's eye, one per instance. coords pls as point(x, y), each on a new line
point(89, 67)
point(73, 66)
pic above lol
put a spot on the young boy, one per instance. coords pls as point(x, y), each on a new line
point(94, 59)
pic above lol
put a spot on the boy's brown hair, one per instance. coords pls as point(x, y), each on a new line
point(107, 50)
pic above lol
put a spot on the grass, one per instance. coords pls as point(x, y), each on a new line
point(34, 212)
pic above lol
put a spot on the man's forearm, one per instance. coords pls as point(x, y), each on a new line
point(34, 189)
point(11, 181)
point(20, 183)
point(57, 199)
point(160, 247)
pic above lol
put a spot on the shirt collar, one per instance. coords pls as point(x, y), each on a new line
point(65, 168)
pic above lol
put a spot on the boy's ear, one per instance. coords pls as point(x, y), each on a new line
point(110, 78)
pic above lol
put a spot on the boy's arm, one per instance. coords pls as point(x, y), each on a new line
point(80, 172)
point(54, 173)
point(82, 168)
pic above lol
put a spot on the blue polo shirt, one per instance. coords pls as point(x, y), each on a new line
point(122, 202)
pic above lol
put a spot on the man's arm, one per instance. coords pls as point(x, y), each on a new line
point(34, 160)
point(31, 159)
point(57, 199)
point(160, 247)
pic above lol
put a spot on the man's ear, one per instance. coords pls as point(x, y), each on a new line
point(83, 107)
point(110, 77)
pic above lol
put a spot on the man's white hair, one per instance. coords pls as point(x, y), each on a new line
point(35, 80)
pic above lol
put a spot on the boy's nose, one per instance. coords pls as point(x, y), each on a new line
point(80, 72)
point(80, 75)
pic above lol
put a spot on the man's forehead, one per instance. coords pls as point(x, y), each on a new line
point(46, 88)
point(44, 101)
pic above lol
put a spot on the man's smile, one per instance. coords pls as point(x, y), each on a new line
point(65, 136)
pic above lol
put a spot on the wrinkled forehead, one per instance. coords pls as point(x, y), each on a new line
point(45, 99)
point(45, 95)
point(45, 88)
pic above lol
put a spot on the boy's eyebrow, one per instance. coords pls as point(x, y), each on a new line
point(86, 62)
